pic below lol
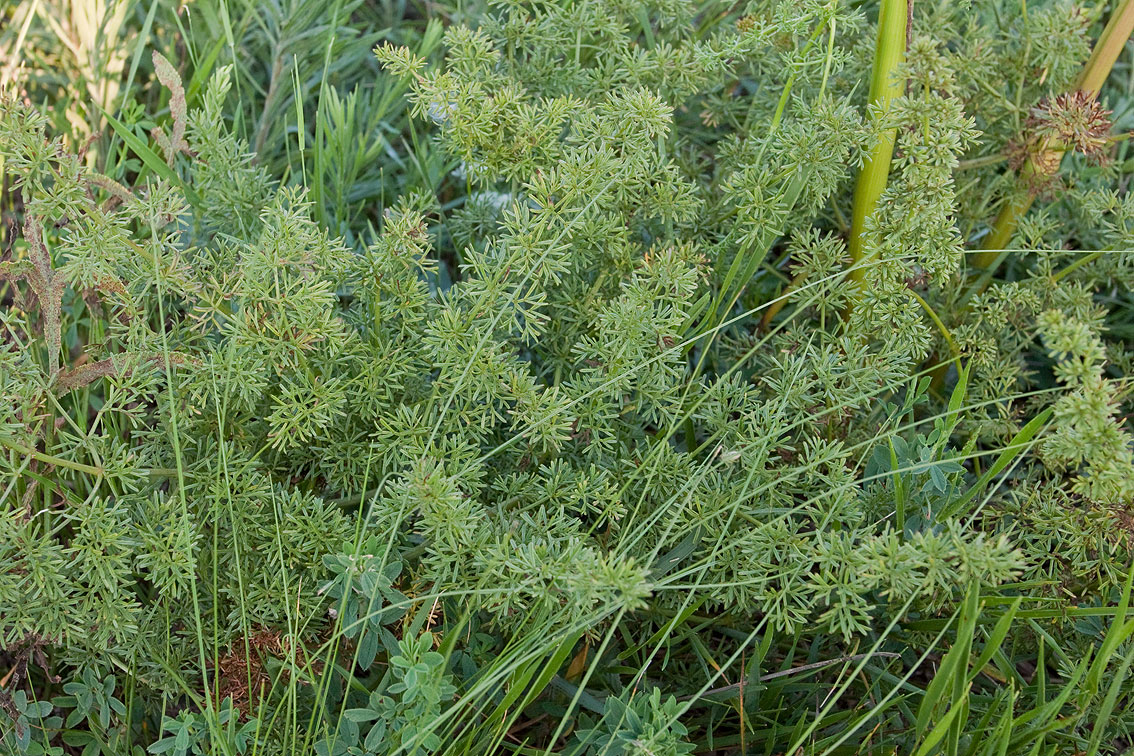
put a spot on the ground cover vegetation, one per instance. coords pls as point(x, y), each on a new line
point(578, 377)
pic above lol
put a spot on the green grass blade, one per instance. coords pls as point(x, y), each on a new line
point(1021, 441)
point(952, 666)
point(150, 158)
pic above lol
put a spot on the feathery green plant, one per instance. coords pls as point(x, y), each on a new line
point(528, 390)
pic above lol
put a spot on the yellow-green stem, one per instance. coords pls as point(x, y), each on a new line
point(1107, 49)
point(945, 334)
point(1084, 260)
point(49, 459)
point(1046, 162)
point(778, 303)
point(885, 87)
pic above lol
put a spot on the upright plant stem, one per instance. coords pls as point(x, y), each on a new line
point(1047, 161)
point(1107, 49)
point(885, 87)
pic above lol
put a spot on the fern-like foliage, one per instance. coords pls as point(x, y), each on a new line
point(579, 443)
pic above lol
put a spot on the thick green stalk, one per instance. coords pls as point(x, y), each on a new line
point(885, 87)
point(1107, 49)
point(1046, 162)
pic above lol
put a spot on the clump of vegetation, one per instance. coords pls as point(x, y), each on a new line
point(587, 378)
